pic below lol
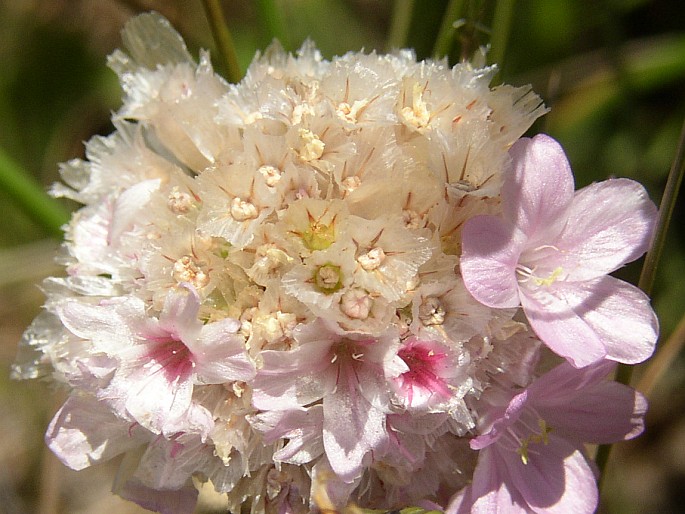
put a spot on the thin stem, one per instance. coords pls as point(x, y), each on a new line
point(223, 39)
point(601, 459)
point(668, 351)
point(649, 268)
point(675, 179)
point(445, 37)
point(31, 197)
point(399, 24)
point(501, 26)
point(272, 20)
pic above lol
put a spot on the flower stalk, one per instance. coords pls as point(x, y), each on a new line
point(399, 24)
point(30, 197)
point(223, 39)
point(445, 38)
point(501, 27)
point(273, 23)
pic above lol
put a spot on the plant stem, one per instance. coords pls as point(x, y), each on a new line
point(399, 24)
point(31, 197)
point(668, 200)
point(649, 268)
point(445, 37)
point(668, 352)
point(223, 39)
point(501, 26)
point(272, 20)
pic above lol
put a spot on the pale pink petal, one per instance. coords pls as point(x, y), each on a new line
point(352, 427)
point(556, 480)
point(168, 464)
point(108, 325)
point(562, 330)
point(610, 223)
point(494, 500)
point(160, 478)
point(564, 382)
point(84, 431)
point(153, 398)
point(164, 501)
point(220, 355)
point(179, 315)
point(128, 206)
point(605, 413)
point(538, 192)
point(293, 378)
point(621, 315)
point(302, 429)
point(491, 492)
point(587, 321)
point(490, 253)
point(584, 406)
point(501, 426)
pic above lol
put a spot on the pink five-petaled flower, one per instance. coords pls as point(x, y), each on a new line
point(531, 450)
point(551, 253)
point(347, 372)
point(159, 360)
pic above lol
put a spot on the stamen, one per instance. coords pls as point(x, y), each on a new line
point(418, 115)
point(529, 275)
point(242, 210)
point(271, 174)
point(371, 259)
point(311, 147)
point(186, 269)
point(541, 437)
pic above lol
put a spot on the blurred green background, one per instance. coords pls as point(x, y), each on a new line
point(612, 71)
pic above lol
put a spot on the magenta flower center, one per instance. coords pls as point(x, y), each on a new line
point(424, 364)
point(173, 357)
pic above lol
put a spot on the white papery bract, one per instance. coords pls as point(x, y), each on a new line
point(263, 286)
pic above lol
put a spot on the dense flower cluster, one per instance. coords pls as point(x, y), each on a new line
point(335, 282)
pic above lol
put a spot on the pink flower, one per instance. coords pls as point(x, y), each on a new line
point(161, 477)
point(347, 373)
point(85, 431)
point(551, 253)
point(434, 378)
point(531, 450)
point(302, 428)
point(160, 359)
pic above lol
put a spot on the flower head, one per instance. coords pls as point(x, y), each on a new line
point(263, 288)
